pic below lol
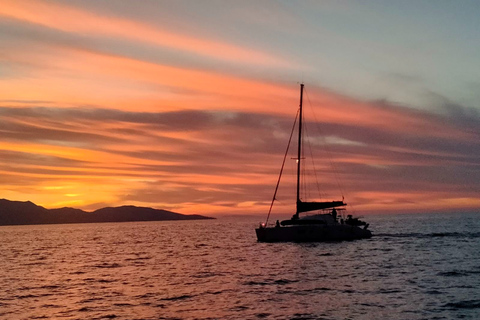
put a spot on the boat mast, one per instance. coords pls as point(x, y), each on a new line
point(299, 155)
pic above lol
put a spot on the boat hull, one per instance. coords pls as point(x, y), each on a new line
point(312, 233)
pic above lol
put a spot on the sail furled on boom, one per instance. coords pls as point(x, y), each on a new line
point(311, 206)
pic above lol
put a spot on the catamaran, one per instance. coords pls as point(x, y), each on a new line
point(325, 225)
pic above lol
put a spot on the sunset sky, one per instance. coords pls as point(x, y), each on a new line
point(188, 105)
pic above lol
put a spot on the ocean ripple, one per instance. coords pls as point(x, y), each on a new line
point(416, 267)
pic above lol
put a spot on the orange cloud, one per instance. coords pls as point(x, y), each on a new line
point(72, 77)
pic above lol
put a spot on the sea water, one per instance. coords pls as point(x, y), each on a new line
point(415, 267)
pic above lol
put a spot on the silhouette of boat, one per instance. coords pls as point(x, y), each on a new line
point(311, 228)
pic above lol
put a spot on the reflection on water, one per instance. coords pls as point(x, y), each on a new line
point(416, 267)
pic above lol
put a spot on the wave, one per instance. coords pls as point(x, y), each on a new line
point(108, 316)
point(430, 235)
point(467, 304)
point(458, 273)
point(269, 282)
point(107, 265)
point(263, 315)
point(123, 304)
point(304, 316)
point(327, 254)
point(90, 300)
point(138, 258)
point(181, 297)
point(50, 287)
point(30, 296)
point(201, 275)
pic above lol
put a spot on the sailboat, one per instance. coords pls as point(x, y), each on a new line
point(325, 225)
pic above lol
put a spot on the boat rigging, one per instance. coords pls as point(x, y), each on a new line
point(318, 227)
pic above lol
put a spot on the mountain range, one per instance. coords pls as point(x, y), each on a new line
point(23, 213)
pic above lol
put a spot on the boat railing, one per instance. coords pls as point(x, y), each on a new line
point(263, 225)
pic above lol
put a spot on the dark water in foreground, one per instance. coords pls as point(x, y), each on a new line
point(415, 267)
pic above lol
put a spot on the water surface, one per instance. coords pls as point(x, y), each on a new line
point(415, 267)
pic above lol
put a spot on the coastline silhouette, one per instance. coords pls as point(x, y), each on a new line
point(25, 213)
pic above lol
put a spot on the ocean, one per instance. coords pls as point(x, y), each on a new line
point(424, 266)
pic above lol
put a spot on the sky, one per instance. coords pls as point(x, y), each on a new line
point(188, 105)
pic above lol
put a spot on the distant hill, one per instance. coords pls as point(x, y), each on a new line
point(19, 213)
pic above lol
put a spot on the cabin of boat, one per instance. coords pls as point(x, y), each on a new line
point(316, 227)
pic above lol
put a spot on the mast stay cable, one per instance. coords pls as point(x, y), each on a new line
point(281, 170)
